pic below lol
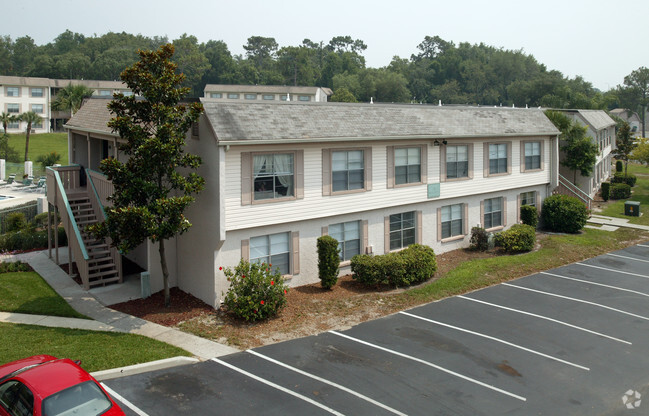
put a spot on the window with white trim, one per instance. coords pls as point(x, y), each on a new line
point(127, 93)
point(498, 158)
point(36, 92)
point(13, 124)
point(250, 96)
point(403, 230)
point(105, 93)
point(452, 220)
point(457, 162)
point(347, 170)
point(216, 95)
point(272, 249)
point(348, 235)
point(493, 213)
point(37, 108)
point(13, 91)
point(283, 97)
point(532, 155)
point(13, 108)
point(304, 98)
point(528, 198)
point(233, 96)
point(274, 176)
point(268, 97)
point(407, 165)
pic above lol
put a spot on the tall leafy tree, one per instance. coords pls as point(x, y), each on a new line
point(641, 152)
point(191, 62)
point(625, 144)
point(636, 95)
point(30, 118)
point(152, 188)
point(71, 97)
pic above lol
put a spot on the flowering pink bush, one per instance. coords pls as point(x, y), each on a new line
point(256, 292)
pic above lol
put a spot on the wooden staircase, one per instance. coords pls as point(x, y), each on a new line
point(101, 266)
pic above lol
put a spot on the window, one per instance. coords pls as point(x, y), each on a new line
point(268, 96)
point(13, 108)
point(304, 98)
point(250, 96)
point(532, 155)
point(273, 176)
point(233, 96)
point(105, 93)
point(452, 221)
point(498, 158)
point(457, 162)
point(348, 235)
point(14, 124)
point(83, 398)
point(284, 97)
point(528, 198)
point(272, 249)
point(347, 170)
point(403, 230)
point(37, 92)
point(407, 165)
point(216, 95)
point(127, 93)
point(37, 108)
point(493, 213)
point(13, 91)
point(37, 125)
point(16, 398)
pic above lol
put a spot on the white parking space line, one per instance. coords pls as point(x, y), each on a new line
point(642, 245)
point(577, 300)
point(435, 366)
point(627, 257)
point(613, 270)
point(278, 387)
point(599, 334)
point(502, 341)
point(596, 284)
point(123, 400)
point(325, 381)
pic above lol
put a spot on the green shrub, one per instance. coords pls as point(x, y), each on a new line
point(620, 191)
point(256, 292)
point(49, 159)
point(629, 179)
point(14, 266)
point(520, 237)
point(619, 166)
point(479, 239)
point(328, 261)
point(563, 214)
point(414, 264)
point(29, 239)
point(16, 221)
point(529, 215)
point(606, 191)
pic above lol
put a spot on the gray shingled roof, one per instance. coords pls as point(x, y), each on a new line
point(598, 119)
point(92, 116)
point(241, 122)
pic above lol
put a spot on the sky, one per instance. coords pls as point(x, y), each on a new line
point(595, 39)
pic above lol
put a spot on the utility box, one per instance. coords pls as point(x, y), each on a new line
point(145, 285)
point(632, 208)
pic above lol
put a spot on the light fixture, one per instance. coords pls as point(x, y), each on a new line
point(436, 142)
point(444, 142)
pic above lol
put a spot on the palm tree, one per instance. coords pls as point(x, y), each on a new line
point(30, 118)
point(5, 119)
point(71, 97)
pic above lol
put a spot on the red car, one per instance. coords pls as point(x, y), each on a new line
point(43, 385)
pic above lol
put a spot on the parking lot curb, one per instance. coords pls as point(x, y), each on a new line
point(143, 368)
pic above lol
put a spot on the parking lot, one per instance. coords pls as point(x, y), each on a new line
point(573, 340)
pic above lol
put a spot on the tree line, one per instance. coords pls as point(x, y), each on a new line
point(440, 70)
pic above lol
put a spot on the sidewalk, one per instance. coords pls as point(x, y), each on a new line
point(104, 319)
point(612, 223)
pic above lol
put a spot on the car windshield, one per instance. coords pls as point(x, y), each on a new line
point(83, 399)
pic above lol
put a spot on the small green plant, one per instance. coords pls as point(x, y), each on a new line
point(14, 266)
point(620, 191)
point(16, 221)
point(414, 264)
point(518, 238)
point(256, 292)
point(606, 190)
point(619, 166)
point(328, 261)
point(28, 239)
point(529, 215)
point(49, 159)
point(563, 214)
point(479, 239)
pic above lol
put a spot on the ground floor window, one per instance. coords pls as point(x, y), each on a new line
point(493, 213)
point(348, 235)
point(528, 198)
point(452, 221)
point(272, 249)
point(402, 230)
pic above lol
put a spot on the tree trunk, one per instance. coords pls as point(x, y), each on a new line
point(165, 273)
point(574, 178)
point(29, 127)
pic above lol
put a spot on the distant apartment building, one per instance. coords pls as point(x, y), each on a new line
point(22, 94)
point(266, 93)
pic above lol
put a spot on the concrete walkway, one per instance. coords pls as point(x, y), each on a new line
point(612, 223)
point(104, 319)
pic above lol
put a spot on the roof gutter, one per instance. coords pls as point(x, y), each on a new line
point(86, 130)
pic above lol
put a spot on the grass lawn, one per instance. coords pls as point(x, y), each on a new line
point(96, 350)
point(39, 144)
point(27, 292)
point(640, 192)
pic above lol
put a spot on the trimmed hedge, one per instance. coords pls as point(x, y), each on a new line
point(328, 261)
point(518, 238)
point(27, 239)
point(620, 191)
point(606, 191)
point(414, 264)
point(479, 239)
point(563, 214)
point(629, 179)
point(619, 166)
point(529, 215)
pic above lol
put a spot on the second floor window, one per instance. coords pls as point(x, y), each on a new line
point(37, 108)
point(216, 95)
point(273, 176)
point(37, 92)
point(13, 108)
point(532, 155)
point(347, 170)
point(407, 165)
point(13, 91)
point(498, 158)
point(457, 162)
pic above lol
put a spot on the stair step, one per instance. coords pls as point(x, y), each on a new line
point(103, 281)
point(100, 274)
point(93, 269)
